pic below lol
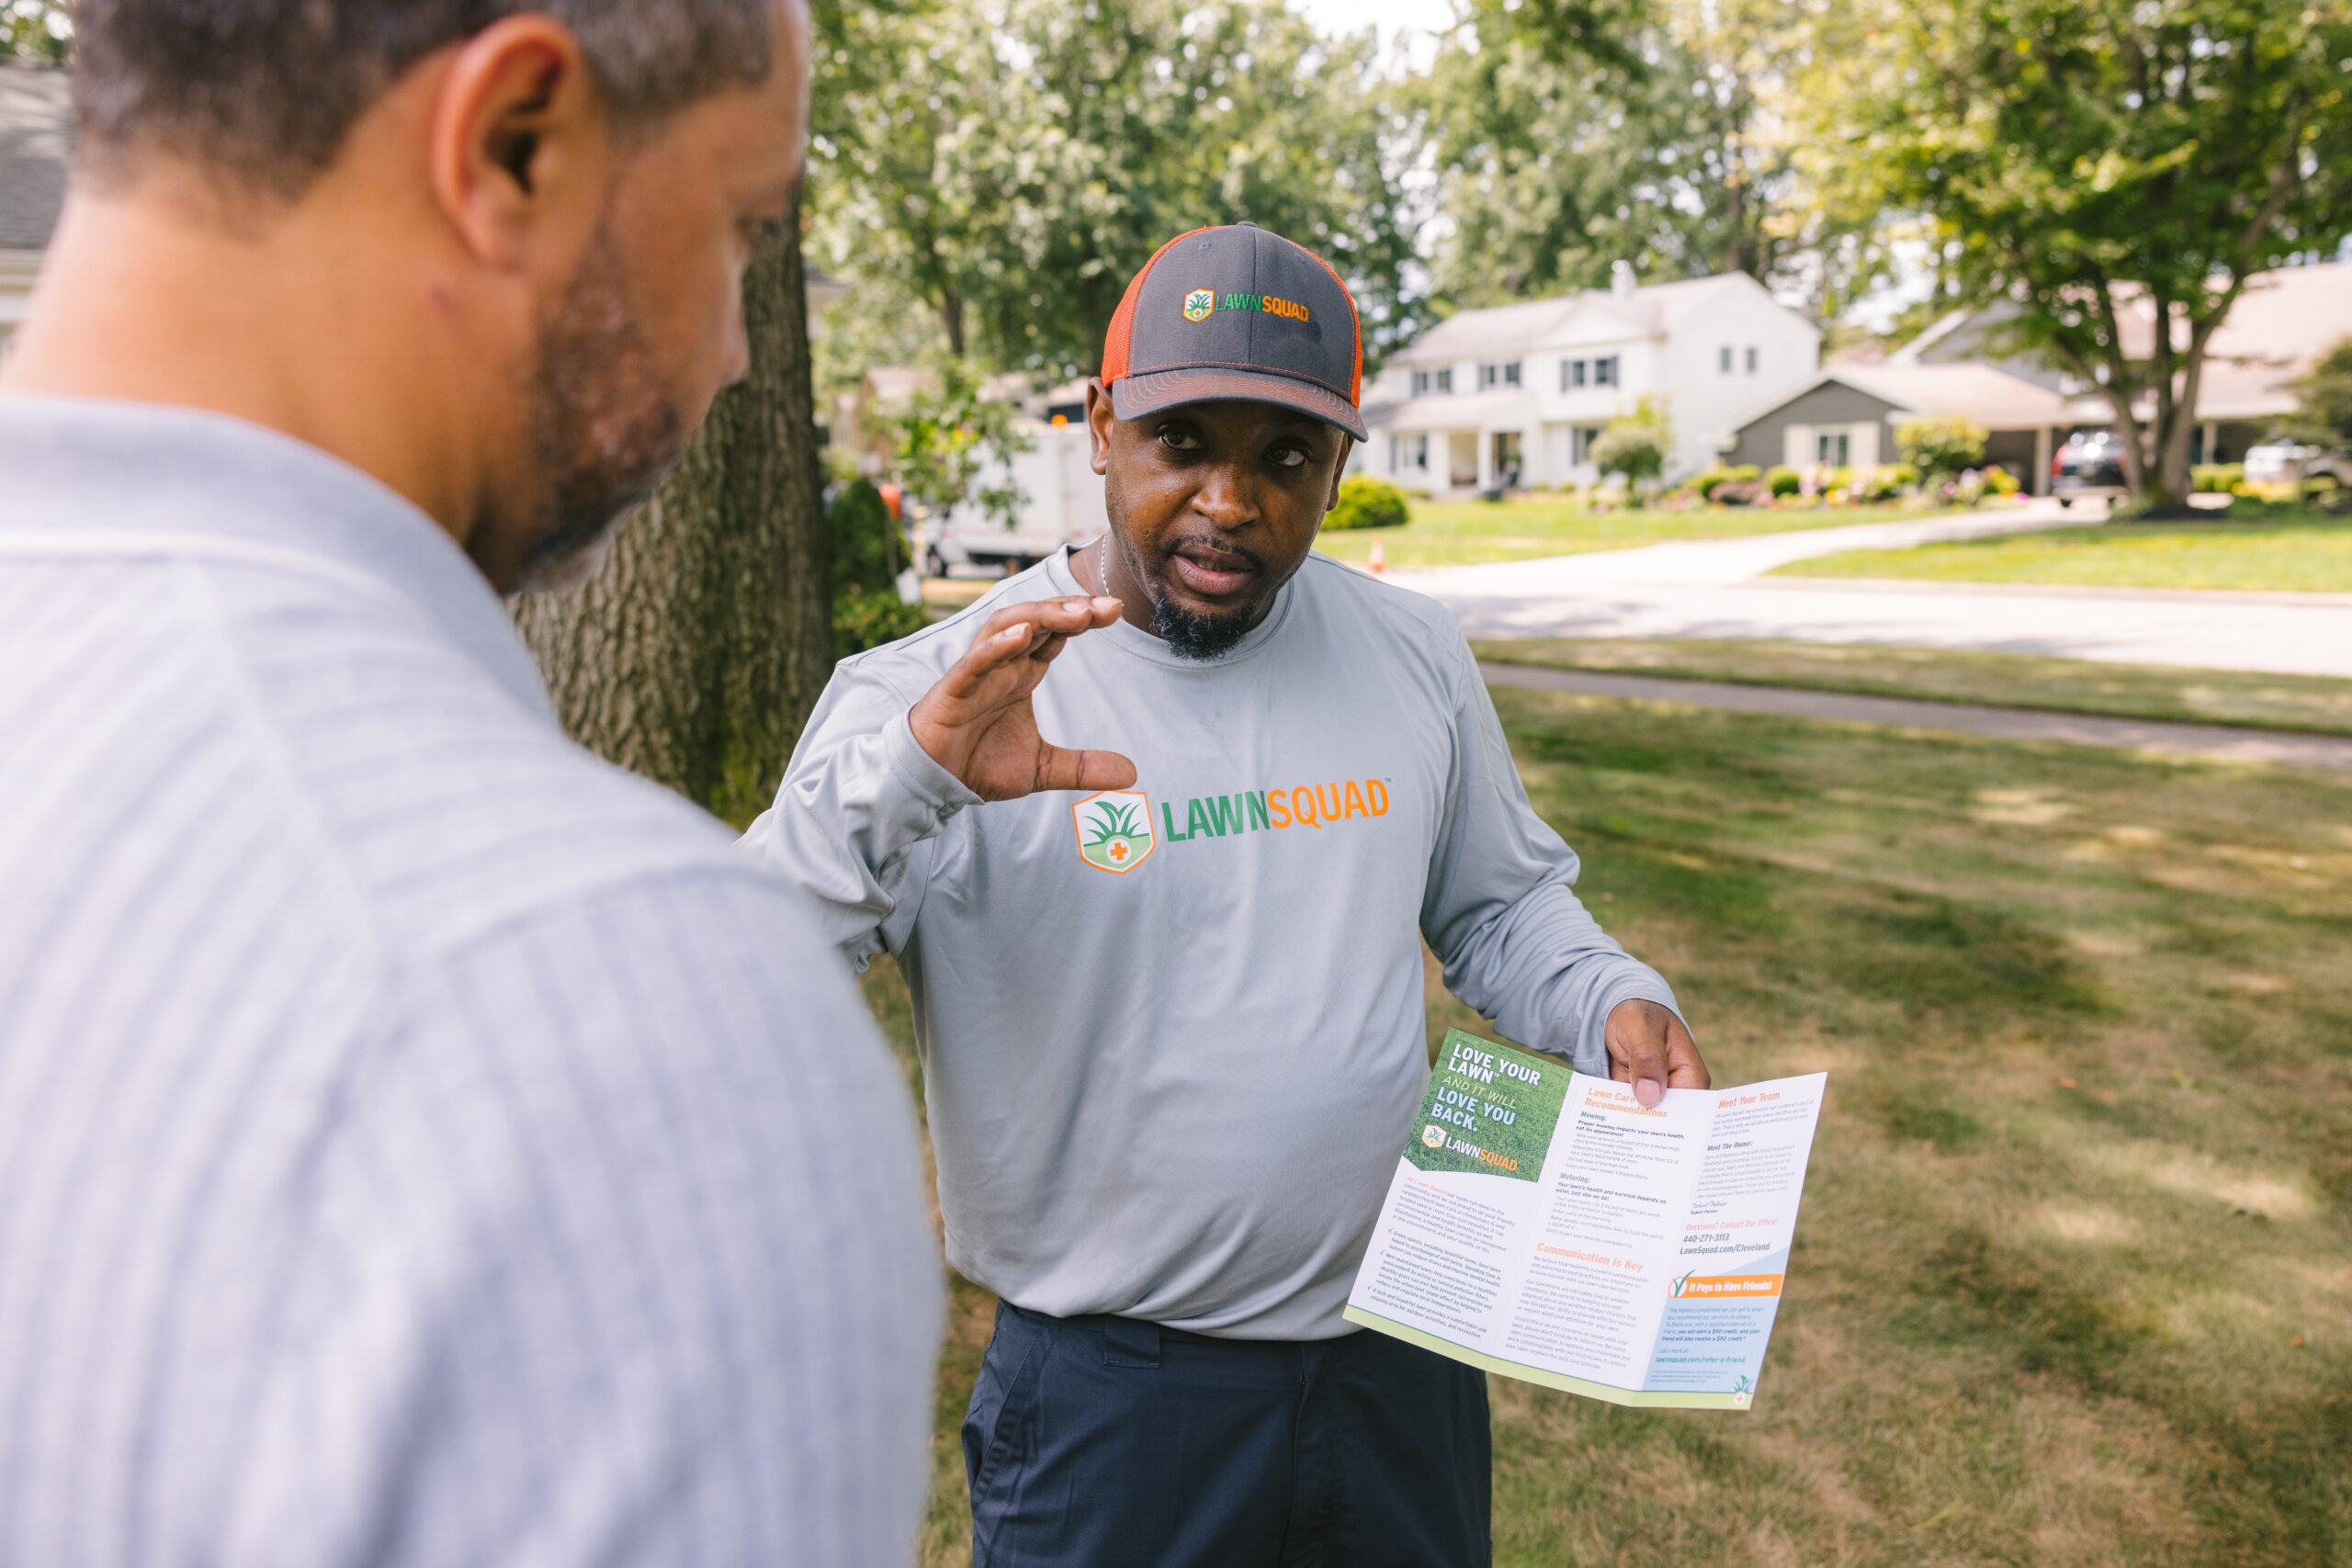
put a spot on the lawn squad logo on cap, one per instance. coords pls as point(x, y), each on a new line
point(1237, 314)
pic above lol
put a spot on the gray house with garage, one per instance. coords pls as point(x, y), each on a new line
point(1846, 417)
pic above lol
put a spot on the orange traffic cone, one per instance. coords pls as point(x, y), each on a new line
point(1379, 559)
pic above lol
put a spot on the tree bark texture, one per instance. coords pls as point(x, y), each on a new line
point(694, 657)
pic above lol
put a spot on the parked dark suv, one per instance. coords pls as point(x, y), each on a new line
point(2090, 463)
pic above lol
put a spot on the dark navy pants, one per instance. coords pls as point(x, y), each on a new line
point(1103, 1442)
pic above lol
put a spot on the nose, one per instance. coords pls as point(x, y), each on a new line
point(735, 360)
point(735, 343)
point(1227, 498)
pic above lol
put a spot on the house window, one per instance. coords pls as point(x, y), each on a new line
point(1571, 374)
point(1751, 359)
point(1832, 449)
point(1604, 372)
point(1445, 380)
point(1417, 451)
point(1487, 376)
point(1580, 440)
point(1511, 374)
point(1723, 359)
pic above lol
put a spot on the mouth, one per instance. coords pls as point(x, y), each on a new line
point(1211, 571)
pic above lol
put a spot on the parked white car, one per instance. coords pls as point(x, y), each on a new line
point(2283, 462)
point(1061, 503)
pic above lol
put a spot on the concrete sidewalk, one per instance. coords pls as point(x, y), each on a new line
point(1711, 588)
point(1719, 563)
point(2221, 741)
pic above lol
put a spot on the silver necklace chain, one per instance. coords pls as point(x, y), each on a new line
point(1103, 564)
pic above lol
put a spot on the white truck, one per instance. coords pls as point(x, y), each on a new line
point(1061, 503)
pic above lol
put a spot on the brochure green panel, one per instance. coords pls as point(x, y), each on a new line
point(1490, 1109)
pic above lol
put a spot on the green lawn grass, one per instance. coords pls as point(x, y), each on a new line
point(2313, 703)
point(2073, 1284)
point(1464, 532)
point(2311, 553)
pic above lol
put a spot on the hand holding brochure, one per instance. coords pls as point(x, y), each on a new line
point(1546, 1225)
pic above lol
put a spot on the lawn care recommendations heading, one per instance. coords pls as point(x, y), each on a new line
point(1548, 1226)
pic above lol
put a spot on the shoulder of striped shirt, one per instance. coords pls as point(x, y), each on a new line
point(669, 839)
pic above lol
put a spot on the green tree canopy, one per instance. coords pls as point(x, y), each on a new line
point(1569, 137)
point(1015, 164)
point(2117, 168)
point(943, 440)
point(2324, 406)
point(35, 30)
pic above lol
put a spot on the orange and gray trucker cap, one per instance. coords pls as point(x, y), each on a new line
point(1235, 312)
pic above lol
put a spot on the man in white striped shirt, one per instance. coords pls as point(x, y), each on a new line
point(415, 1146)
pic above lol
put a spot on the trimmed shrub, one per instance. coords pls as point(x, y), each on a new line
point(1367, 502)
point(1704, 481)
point(1881, 482)
point(1942, 445)
point(1634, 450)
point(864, 618)
point(1781, 479)
point(2216, 478)
point(1741, 492)
point(859, 523)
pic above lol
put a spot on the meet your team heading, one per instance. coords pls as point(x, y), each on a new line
point(1308, 806)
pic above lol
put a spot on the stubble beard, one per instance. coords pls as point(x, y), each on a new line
point(603, 427)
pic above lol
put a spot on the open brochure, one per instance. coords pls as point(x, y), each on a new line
point(1546, 1225)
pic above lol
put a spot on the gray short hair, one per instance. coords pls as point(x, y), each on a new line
point(263, 92)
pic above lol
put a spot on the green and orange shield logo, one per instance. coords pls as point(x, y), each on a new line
point(1200, 304)
point(1114, 830)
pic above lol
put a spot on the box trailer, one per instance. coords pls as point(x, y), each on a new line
point(1061, 503)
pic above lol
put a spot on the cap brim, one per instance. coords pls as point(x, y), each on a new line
point(1136, 397)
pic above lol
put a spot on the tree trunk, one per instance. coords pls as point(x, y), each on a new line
point(951, 317)
point(694, 657)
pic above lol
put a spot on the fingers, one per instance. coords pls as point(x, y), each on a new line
point(1636, 1037)
point(1061, 768)
point(1018, 630)
point(1685, 1068)
point(1646, 1068)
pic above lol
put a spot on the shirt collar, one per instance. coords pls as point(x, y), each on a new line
point(203, 482)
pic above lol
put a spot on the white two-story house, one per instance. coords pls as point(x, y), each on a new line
point(1517, 395)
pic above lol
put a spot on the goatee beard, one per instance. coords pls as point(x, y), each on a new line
point(1197, 637)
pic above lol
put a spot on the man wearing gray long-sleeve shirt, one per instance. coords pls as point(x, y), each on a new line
point(1171, 1028)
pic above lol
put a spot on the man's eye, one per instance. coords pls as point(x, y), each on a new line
point(1176, 437)
point(1286, 457)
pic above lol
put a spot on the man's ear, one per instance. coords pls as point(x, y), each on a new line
point(1099, 421)
point(519, 143)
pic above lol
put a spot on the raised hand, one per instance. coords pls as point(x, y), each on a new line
point(977, 722)
point(1650, 1048)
